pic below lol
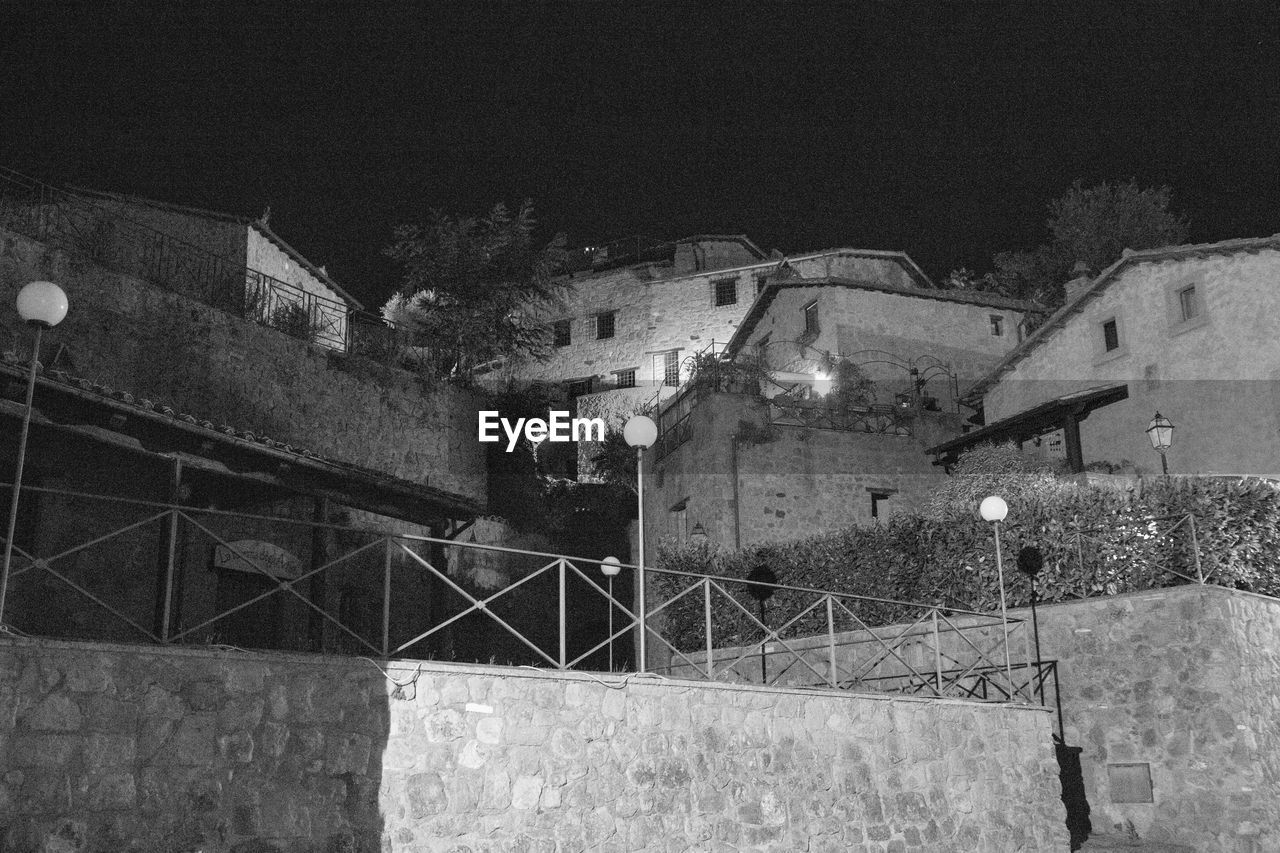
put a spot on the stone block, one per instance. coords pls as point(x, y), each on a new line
point(57, 712)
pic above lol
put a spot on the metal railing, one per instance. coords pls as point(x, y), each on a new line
point(130, 570)
point(108, 238)
point(1116, 564)
point(880, 419)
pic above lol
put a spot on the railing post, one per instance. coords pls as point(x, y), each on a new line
point(1195, 549)
point(937, 655)
point(386, 597)
point(560, 614)
point(706, 621)
point(170, 565)
point(831, 645)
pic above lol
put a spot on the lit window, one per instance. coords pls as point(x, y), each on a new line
point(563, 332)
point(626, 378)
point(1188, 305)
point(997, 326)
point(1110, 336)
point(726, 291)
point(811, 318)
point(604, 325)
point(671, 369)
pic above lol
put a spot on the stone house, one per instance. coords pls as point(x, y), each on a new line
point(226, 260)
point(784, 464)
point(273, 450)
point(1188, 331)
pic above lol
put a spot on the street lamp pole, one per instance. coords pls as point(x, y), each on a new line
point(42, 305)
point(640, 432)
point(994, 510)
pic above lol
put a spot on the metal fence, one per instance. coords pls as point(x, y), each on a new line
point(96, 567)
point(86, 228)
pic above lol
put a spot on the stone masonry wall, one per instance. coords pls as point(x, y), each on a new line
point(131, 336)
point(797, 483)
point(110, 748)
point(1182, 681)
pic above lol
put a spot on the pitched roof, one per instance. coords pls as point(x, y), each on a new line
point(970, 297)
point(236, 219)
point(1073, 306)
point(68, 398)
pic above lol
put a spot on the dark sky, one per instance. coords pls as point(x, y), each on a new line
point(938, 128)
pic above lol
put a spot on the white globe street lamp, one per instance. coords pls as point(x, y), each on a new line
point(640, 432)
point(41, 305)
point(994, 510)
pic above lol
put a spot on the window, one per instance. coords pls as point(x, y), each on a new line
point(878, 501)
point(604, 325)
point(1110, 335)
point(726, 291)
point(578, 387)
point(811, 318)
point(680, 520)
point(626, 378)
point(761, 281)
point(563, 332)
point(997, 326)
point(671, 369)
point(1188, 305)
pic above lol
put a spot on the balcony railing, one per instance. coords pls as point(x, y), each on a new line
point(86, 228)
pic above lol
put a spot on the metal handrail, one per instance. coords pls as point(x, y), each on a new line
point(167, 523)
point(44, 212)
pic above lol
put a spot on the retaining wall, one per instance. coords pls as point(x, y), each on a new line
point(149, 749)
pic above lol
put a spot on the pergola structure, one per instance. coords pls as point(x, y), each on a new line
point(1064, 413)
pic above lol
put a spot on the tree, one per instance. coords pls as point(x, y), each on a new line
point(1090, 224)
point(473, 287)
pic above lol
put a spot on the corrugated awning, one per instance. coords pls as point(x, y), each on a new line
point(1063, 413)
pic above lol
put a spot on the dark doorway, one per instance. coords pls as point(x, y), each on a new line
point(254, 627)
point(1072, 778)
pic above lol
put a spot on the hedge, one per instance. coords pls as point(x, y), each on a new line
point(1096, 540)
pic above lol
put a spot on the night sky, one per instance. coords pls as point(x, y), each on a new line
point(942, 128)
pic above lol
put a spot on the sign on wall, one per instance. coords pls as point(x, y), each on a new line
point(257, 557)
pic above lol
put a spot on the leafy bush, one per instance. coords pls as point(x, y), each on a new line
point(1095, 540)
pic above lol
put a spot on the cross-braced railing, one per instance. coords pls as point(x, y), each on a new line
point(1109, 561)
point(91, 566)
point(835, 640)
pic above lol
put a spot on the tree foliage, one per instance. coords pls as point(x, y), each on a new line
point(1090, 224)
point(472, 287)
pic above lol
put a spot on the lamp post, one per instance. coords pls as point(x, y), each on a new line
point(1160, 431)
point(41, 305)
point(1030, 562)
point(640, 432)
point(760, 585)
point(994, 510)
point(610, 566)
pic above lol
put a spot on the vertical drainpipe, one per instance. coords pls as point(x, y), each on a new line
point(737, 505)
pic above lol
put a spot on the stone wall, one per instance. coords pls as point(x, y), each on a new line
point(135, 337)
point(1177, 683)
point(149, 749)
point(1217, 378)
point(787, 483)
